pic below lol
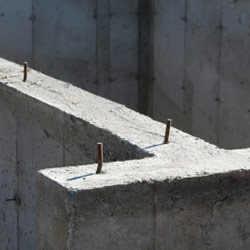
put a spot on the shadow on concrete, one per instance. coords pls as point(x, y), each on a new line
point(80, 177)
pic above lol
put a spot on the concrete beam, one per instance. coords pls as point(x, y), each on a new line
point(146, 186)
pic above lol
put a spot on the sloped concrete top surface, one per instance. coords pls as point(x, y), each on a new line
point(184, 157)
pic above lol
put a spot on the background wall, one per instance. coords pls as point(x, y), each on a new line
point(93, 44)
point(201, 62)
point(184, 59)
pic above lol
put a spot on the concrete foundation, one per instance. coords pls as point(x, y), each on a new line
point(37, 134)
point(187, 194)
point(201, 212)
point(183, 59)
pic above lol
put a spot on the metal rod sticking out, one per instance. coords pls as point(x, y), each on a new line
point(99, 157)
point(25, 71)
point(166, 140)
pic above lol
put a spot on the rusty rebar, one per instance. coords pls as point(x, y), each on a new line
point(25, 71)
point(99, 157)
point(169, 122)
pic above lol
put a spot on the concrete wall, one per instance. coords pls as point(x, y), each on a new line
point(194, 213)
point(201, 61)
point(46, 123)
point(35, 135)
point(8, 178)
point(92, 43)
point(184, 59)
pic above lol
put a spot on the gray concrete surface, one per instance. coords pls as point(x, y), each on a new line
point(143, 190)
point(92, 43)
point(184, 59)
point(137, 208)
point(37, 134)
point(8, 180)
point(201, 58)
point(188, 194)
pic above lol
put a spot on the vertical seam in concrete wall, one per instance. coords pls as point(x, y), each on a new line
point(145, 18)
point(103, 77)
point(17, 185)
point(32, 161)
point(149, 78)
point(71, 211)
point(96, 46)
point(184, 61)
point(33, 32)
point(150, 90)
point(154, 216)
point(63, 139)
point(109, 66)
point(139, 55)
point(219, 76)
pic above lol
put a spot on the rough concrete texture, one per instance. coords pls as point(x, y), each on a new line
point(8, 180)
point(187, 194)
point(122, 209)
point(185, 59)
point(191, 195)
point(36, 134)
point(180, 190)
